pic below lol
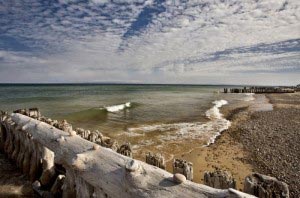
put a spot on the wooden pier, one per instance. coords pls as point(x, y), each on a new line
point(260, 90)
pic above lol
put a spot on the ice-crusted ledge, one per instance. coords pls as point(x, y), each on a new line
point(91, 170)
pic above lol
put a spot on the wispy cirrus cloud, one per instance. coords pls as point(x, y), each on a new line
point(150, 41)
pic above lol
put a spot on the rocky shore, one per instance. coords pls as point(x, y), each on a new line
point(272, 139)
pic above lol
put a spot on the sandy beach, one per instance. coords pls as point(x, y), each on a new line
point(258, 141)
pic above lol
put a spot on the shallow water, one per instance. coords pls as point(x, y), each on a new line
point(160, 118)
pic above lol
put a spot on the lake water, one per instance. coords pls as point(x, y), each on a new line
point(158, 118)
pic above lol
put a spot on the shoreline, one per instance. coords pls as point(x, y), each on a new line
point(225, 153)
point(274, 134)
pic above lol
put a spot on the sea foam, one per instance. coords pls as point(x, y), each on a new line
point(116, 108)
point(209, 130)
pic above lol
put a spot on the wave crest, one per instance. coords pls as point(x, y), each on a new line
point(116, 108)
point(209, 130)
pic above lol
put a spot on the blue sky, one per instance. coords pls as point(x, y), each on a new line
point(152, 41)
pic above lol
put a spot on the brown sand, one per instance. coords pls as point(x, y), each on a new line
point(226, 153)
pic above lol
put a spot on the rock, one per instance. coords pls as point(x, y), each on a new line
point(132, 166)
point(265, 186)
point(96, 147)
point(179, 178)
point(219, 179)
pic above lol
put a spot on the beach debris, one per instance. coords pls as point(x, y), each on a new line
point(219, 179)
point(93, 137)
point(65, 126)
point(100, 135)
point(109, 143)
point(21, 111)
point(156, 160)
point(179, 178)
point(125, 149)
point(34, 112)
point(265, 186)
point(79, 131)
point(183, 167)
point(86, 134)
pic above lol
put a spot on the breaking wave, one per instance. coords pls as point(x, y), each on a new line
point(116, 108)
point(209, 130)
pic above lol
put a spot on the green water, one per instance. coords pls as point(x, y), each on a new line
point(159, 106)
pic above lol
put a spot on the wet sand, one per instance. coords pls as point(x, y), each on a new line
point(226, 153)
point(258, 141)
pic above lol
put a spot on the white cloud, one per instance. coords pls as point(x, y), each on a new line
point(86, 42)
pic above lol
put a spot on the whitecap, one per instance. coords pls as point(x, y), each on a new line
point(116, 108)
point(211, 129)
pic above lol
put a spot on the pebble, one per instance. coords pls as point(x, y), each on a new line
point(72, 133)
point(275, 149)
point(96, 146)
point(132, 166)
point(179, 178)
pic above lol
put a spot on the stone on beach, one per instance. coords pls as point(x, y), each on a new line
point(179, 178)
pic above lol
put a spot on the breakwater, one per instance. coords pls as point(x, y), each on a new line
point(261, 90)
point(60, 162)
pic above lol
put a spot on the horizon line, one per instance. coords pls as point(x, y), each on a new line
point(126, 83)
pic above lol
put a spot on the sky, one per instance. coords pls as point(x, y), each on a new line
point(150, 41)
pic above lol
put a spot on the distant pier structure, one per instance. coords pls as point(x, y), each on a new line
point(261, 90)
